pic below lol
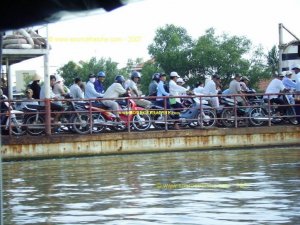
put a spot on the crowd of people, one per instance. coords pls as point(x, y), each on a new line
point(95, 89)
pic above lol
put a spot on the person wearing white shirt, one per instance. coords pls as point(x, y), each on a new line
point(210, 88)
point(114, 91)
point(296, 69)
point(199, 89)
point(161, 91)
point(176, 89)
point(54, 106)
point(275, 87)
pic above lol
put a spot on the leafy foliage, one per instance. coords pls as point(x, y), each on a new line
point(273, 59)
point(72, 70)
point(171, 49)
point(225, 55)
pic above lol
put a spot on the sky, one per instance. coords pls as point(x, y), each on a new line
point(127, 31)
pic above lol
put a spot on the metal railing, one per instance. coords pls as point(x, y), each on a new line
point(93, 117)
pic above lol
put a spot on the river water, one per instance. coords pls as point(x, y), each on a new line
point(259, 186)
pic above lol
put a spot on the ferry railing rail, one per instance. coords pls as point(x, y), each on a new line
point(167, 120)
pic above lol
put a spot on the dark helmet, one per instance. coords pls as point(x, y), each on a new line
point(91, 75)
point(101, 74)
point(156, 76)
point(120, 79)
point(135, 74)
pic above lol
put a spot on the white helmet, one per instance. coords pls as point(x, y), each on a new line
point(180, 80)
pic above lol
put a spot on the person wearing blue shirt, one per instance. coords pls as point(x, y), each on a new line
point(99, 87)
point(90, 91)
point(161, 91)
point(290, 85)
point(288, 82)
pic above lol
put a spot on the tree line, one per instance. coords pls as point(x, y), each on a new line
point(173, 49)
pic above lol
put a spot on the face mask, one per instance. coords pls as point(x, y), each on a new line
point(92, 80)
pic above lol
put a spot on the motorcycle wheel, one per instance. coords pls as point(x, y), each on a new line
point(81, 123)
point(256, 113)
point(17, 127)
point(141, 122)
point(227, 116)
point(98, 121)
point(208, 119)
point(291, 113)
point(158, 121)
point(35, 125)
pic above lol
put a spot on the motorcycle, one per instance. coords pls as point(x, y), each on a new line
point(130, 115)
point(195, 113)
point(11, 119)
point(261, 113)
point(230, 112)
point(74, 118)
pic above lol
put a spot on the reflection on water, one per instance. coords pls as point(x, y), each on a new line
point(211, 187)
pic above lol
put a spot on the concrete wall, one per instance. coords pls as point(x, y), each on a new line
point(152, 141)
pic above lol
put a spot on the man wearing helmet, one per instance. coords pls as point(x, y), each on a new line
point(133, 85)
point(114, 91)
point(153, 84)
point(99, 87)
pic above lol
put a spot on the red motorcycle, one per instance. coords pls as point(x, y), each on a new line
point(130, 115)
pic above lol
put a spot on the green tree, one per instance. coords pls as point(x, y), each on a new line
point(258, 69)
point(171, 49)
point(223, 55)
point(273, 60)
point(71, 70)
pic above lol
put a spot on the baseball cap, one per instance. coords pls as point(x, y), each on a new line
point(297, 66)
point(174, 74)
point(288, 73)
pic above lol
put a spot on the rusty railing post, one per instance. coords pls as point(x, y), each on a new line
point(48, 116)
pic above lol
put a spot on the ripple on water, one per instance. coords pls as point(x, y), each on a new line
point(216, 187)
